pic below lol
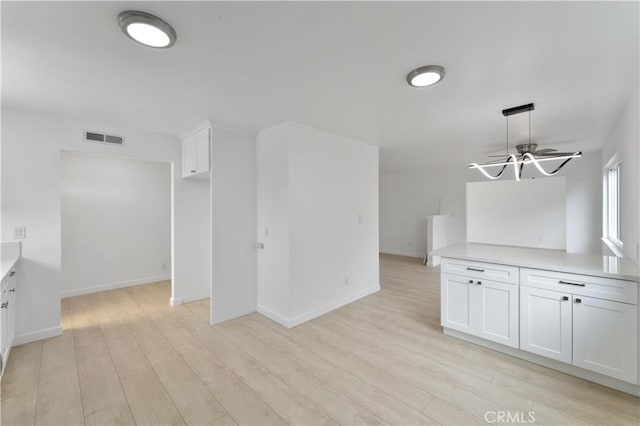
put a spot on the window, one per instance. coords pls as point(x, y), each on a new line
point(612, 198)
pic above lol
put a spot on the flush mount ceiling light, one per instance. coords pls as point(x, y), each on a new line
point(425, 76)
point(147, 29)
point(527, 153)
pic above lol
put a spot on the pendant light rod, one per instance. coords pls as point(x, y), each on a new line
point(507, 135)
point(529, 127)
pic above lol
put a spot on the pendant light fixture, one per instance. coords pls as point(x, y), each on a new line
point(147, 29)
point(527, 153)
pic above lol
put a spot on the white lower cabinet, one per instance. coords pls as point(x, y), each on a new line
point(545, 323)
point(590, 333)
point(605, 337)
point(456, 307)
point(487, 309)
point(7, 317)
point(590, 322)
point(497, 312)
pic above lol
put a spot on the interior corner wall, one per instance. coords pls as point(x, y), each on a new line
point(623, 141)
point(31, 147)
point(318, 219)
point(116, 222)
point(407, 198)
point(233, 225)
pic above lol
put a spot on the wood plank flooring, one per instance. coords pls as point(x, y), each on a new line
point(127, 357)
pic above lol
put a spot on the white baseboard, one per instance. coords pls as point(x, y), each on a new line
point(314, 313)
point(176, 301)
point(625, 387)
point(402, 253)
point(272, 315)
point(111, 286)
point(37, 335)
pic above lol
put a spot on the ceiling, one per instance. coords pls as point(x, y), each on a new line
point(339, 67)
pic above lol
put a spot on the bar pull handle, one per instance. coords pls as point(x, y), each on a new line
point(4, 305)
point(565, 297)
point(469, 268)
point(12, 273)
point(571, 283)
point(578, 300)
point(13, 290)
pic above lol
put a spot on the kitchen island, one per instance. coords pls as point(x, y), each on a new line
point(571, 312)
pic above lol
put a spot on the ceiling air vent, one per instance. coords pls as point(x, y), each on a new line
point(103, 138)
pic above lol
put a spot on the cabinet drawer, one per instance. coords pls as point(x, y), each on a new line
point(584, 285)
point(488, 271)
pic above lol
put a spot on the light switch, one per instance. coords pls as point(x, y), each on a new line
point(266, 231)
point(360, 218)
point(19, 232)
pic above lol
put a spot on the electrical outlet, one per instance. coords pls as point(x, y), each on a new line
point(164, 265)
point(360, 218)
point(346, 281)
point(409, 244)
point(19, 232)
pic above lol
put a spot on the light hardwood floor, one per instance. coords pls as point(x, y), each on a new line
point(127, 357)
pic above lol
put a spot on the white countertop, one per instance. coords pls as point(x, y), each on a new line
point(552, 260)
point(9, 256)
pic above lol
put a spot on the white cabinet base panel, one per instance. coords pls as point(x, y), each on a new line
point(546, 362)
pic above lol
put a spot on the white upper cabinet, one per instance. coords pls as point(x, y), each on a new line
point(196, 155)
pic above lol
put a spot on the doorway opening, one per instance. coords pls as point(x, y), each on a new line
point(116, 216)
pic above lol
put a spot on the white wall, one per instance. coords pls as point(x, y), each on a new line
point(623, 141)
point(525, 213)
point(31, 146)
point(273, 219)
point(407, 198)
point(330, 185)
point(233, 218)
point(116, 222)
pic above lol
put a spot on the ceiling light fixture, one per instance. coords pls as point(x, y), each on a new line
point(147, 29)
point(425, 76)
point(528, 153)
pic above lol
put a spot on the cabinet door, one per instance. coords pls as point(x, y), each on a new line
point(4, 319)
point(545, 323)
point(189, 157)
point(497, 318)
point(11, 310)
point(457, 310)
point(202, 151)
point(605, 337)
